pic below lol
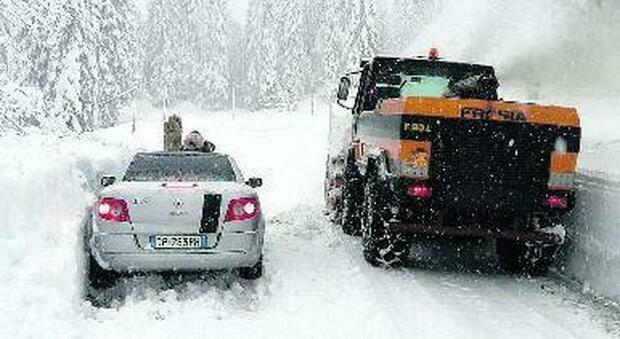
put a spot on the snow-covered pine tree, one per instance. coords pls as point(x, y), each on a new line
point(21, 100)
point(160, 52)
point(116, 58)
point(211, 75)
point(409, 18)
point(307, 43)
point(186, 52)
point(6, 48)
point(293, 67)
point(385, 19)
point(331, 49)
point(363, 40)
point(261, 55)
point(236, 65)
point(31, 35)
point(52, 41)
point(183, 26)
point(20, 106)
point(253, 56)
point(313, 22)
point(69, 55)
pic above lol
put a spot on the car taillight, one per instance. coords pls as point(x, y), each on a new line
point(112, 209)
point(240, 209)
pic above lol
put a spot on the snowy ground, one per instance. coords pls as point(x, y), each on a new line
point(316, 283)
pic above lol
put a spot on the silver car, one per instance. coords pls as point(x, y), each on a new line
point(176, 211)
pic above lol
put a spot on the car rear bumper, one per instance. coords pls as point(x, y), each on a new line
point(122, 253)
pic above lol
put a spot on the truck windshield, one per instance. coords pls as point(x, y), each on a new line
point(423, 86)
point(179, 167)
point(395, 78)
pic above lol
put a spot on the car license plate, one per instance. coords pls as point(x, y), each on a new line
point(178, 241)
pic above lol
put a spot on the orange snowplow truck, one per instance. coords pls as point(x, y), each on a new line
point(435, 153)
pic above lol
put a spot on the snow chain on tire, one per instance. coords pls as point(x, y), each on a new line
point(352, 198)
point(382, 247)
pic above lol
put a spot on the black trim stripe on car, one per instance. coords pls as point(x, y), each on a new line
point(210, 213)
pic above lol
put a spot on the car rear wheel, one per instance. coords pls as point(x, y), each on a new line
point(381, 246)
point(254, 272)
point(99, 277)
point(95, 276)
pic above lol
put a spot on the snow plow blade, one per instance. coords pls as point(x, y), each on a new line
point(476, 232)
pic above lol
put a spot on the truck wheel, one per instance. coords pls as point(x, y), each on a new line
point(254, 272)
point(526, 258)
point(352, 199)
point(382, 247)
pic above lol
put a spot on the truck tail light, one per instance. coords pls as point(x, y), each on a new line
point(113, 209)
point(419, 191)
point(556, 202)
point(240, 209)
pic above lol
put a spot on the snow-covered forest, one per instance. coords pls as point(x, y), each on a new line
point(66, 65)
point(71, 65)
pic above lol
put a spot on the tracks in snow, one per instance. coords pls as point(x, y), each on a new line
point(474, 302)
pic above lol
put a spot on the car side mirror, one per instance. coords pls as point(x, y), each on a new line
point(254, 182)
point(343, 88)
point(107, 180)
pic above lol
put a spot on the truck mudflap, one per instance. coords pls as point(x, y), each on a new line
point(474, 231)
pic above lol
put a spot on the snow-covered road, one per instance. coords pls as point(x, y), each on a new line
point(317, 285)
point(316, 282)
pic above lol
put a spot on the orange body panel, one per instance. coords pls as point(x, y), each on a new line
point(481, 109)
point(415, 153)
point(563, 163)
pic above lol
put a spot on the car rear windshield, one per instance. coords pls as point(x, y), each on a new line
point(180, 167)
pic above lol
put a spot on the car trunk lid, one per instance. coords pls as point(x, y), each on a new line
point(174, 208)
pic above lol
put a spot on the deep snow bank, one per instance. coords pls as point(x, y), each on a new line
point(46, 185)
point(593, 254)
point(559, 52)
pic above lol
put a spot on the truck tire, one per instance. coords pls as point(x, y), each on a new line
point(381, 246)
point(352, 198)
point(525, 257)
